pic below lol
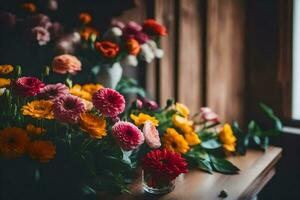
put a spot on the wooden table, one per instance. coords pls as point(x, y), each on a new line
point(257, 168)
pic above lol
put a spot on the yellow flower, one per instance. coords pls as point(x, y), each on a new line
point(142, 118)
point(192, 138)
point(93, 125)
point(92, 88)
point(42, 151)
point(41, 109)
point(227, 138)
point(182, 109)
point(6, 69)
point(4, 82)
point(13, 142)
point(173, 141)
point(182, 123)
point(78, 91)
point(34, 130)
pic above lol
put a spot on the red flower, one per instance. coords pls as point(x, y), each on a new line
point(164, 165)
point(109, 102)
point(27, 86)
point(151, 27)
point(107, 49)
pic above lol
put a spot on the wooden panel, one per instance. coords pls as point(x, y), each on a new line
point(189, 55)
point(225, 58)
point(257, 168)
point(165, 14)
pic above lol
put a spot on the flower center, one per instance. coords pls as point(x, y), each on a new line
point(11, 140)
point(69, 105)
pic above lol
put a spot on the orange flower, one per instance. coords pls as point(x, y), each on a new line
point(85, 18)
point(4, 82)
point(107, 49)
point(42, 151)
point(151, 27)
point(13, 142)
point(93, 125)
point(86, 32)
point(40, 109)
point(133, 46)
point(6, 69)
point(30, 7)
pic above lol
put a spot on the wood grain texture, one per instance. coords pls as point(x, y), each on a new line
point(225, 58)
point(189, 54)
point(257, 168)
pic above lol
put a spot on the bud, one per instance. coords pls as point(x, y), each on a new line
point(18, 71)
point(69, 82)
point(46, 71)
point(170, 102)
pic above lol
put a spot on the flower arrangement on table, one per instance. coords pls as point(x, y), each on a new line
point(85, 133)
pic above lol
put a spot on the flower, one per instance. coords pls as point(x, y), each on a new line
point(151, 27)
point(93, 125)
point(4, 82)
point(142, 118)
point(118, 24)
point(68, 108)
point(151, 135)
point(149, 104)
point(173, 141)
point(130, 61)
point(34, 130)
point(147, 53)
point(52, 5)
point(88, 105)
point(66, 64)
point(2, 90)
point(109, 102)
point(115, 32)
point(13, 142)
point(39, 34)
point(88, 31)
point(107, 49)
point(158, 53)
point(52, 91)
point(27, 86)
point(207, 115)
point(184, 124)
point(42, 151)
point(182, 109)
point(6, 69)
point(127, 135)
point(227, 138)
point(132, 46)
point(92, 88)
point(38, 20)
point(30, 7)
point(85, 18)
point(192, 138)
point(78, 91)
point(163, 165)
point(41, 109)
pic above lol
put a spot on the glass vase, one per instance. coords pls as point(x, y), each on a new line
point(155, 185)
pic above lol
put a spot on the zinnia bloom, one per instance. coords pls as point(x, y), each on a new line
point(41, 109)
point(6, 69)
point(85, 18)
point(86, 32)
point(107, 49)
point(151, 27)
point(93, 125)
point(109, 102)
point(13, 142)
point(27, 86)
point(142, 118)
point(207, 115)
point(43, 151)
point(4, 82)
point(40, 35)
point(34, 130)
point(78, 91)
point(132, 47)
point(151, 135)
point(149, 104)
point(163, 166)
point(182, 123)
point(92, 88)
point(66, 64)
point(127, 135)
point(227, 138)
point(52, 91)
point(30, 7)
point(174, 141)
point(192, 138)
point(182, 109)
point(68, 108)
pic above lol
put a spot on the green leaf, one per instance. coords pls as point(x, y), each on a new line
point(211, 144)
point(270, 113)
point(204, 165)
point(223, 166)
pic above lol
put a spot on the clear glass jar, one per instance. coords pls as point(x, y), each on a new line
point(154, 185)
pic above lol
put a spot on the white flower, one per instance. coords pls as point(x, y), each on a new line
point(147, 53)
point(130, 61)
point(2, 90)
point(117, 32)
point(159, 53)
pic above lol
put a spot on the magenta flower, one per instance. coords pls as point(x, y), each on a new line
point(27, 86)
point(52, 91)
point(127, 135)
point(141, 37)
point(68, 108)
point(151, 135)
point(109, 102)
point(132, 30)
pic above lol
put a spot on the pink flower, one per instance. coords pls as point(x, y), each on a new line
point(109, 102)
point(151, 135)
point(40, 35)
point(206, 114)
point(127, 135)
point(66, 64)
point(132, 30)
point(68, 108)
point(52, 91)
point(27, 86)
